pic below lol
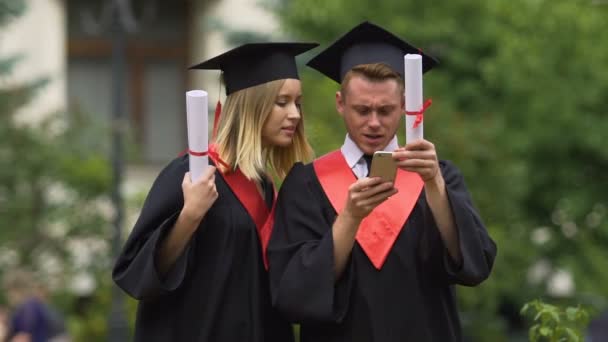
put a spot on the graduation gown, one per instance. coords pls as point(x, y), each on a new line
point(411, 298)
point(217, 291)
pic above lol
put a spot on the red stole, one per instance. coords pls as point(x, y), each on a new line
point(379, 230)
point(247, 193)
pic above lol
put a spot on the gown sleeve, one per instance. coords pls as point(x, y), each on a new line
point(135, 269)
point(301, 253)
point(477, 247)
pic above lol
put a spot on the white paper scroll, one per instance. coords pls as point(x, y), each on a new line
point(198, 131)
point(413, 96)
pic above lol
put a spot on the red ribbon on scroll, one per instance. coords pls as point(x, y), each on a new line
point(420, 114)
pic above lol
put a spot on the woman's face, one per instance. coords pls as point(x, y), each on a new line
point(280, 126)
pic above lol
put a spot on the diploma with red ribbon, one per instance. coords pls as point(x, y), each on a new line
point(414, 108)
point(198, 131)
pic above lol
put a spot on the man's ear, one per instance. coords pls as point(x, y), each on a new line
point(340, 102)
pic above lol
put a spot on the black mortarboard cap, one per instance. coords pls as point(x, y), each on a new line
point(366, 43)
point(252, 64)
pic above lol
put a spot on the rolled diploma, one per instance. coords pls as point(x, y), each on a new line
point(198, 130)
point(413, 96)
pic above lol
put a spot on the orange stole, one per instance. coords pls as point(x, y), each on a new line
point(379, 230)
point(247, 193)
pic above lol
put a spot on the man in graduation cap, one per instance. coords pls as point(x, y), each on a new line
point(354, 258)
point(194, 259)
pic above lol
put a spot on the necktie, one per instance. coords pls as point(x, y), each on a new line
point(368, 161)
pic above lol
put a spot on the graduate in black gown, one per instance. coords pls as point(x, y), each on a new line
point(357, 258)
point(194, 259)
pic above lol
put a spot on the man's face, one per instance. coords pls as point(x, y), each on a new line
point(372, 112)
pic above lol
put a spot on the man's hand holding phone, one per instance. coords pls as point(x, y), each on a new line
point(366, 194)
point(369, 192)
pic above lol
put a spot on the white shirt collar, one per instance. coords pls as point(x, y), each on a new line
point(353, 154)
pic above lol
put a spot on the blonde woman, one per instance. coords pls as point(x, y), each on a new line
point(195, 258)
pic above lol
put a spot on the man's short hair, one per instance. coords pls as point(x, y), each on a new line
point(375, 72)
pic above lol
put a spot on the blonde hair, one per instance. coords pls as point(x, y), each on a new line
point(239, 136)
point(375, 72)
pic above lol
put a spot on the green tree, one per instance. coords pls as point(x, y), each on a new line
point(518, 104)
point(54, 193)
point(555, 324)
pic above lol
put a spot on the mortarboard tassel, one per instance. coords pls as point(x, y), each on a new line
point(216, 119)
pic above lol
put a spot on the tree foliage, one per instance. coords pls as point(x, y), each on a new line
point(54, 189)
point(554, 324)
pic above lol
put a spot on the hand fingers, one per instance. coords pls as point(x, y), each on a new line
point(206, 191)
point(378, 198)
point(209, 190)
point(364, 183)
point(405, 155)
point(376, 189)
point(207, 177)
point(420, 144)
point(213, 192)
point(187, 179)
point(416, 163)
point(209, 172)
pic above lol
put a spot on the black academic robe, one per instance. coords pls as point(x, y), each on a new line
point(411, 298)
point(218, 290)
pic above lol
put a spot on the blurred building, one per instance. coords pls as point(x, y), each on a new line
point(70, 42)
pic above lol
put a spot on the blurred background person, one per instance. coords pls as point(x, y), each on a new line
point(31, 318)
point(3, 323)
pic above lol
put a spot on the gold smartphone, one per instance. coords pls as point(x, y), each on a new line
point(383, 166)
